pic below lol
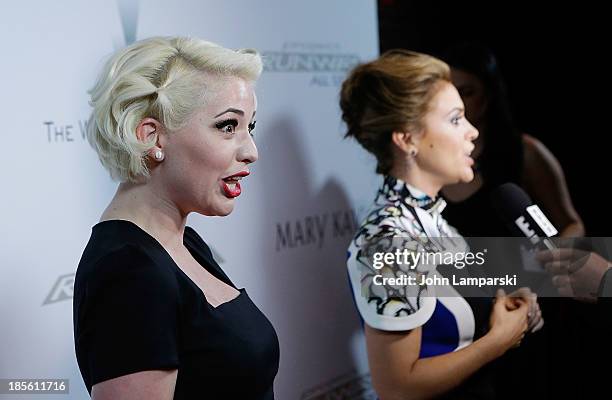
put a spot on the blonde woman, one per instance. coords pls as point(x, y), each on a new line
point(421, 343)
point(155, 317)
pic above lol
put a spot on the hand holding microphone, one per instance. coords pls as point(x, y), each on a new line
point(576, 273)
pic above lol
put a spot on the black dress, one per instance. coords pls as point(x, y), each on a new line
point(537, 364)
point(136, 310)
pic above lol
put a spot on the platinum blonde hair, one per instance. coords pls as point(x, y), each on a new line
point(162, 78)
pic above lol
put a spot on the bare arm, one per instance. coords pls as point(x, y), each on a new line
point(545, 182)
point(144, 385)
point(398, 373)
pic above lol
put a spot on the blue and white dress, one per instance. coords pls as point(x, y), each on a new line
point(404, 217)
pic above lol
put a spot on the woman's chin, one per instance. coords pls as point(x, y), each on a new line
point(218, 210)
point(225, 211)
point(468, 176)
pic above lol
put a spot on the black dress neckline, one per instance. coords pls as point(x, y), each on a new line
point(193, 250)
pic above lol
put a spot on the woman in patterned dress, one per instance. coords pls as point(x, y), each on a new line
point(423, 341)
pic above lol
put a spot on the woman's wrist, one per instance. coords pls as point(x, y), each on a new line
point(494, 343)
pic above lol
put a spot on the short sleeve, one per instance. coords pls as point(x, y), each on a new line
point(130, 323)
point(389, 307)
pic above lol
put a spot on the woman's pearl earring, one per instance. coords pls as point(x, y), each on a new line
point(159, 155)
point(413, 152)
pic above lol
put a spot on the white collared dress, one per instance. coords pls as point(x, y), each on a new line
point(403, 217)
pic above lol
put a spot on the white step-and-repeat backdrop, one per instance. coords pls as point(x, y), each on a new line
point(286, 240)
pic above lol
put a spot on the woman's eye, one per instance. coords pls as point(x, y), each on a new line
point(228, 126)
point(455, 120)
point(252, 127)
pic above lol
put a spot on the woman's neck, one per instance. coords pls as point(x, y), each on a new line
point(416, 178)
point(145, 207)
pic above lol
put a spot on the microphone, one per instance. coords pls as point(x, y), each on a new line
point(522, 216)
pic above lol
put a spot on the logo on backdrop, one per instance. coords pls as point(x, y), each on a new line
point(62, 290)
point(351, 386)
point(314, 230)
point(325, 63)
point(64, 133)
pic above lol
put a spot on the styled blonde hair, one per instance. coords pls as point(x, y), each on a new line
point(161, 78)
point(389, 94)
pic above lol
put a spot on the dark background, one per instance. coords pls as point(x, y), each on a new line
point(554, 61)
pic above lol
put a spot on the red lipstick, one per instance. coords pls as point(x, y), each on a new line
point(231, 184)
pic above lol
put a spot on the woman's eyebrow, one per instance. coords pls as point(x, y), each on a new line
point(232, 110)
point(455, 109)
